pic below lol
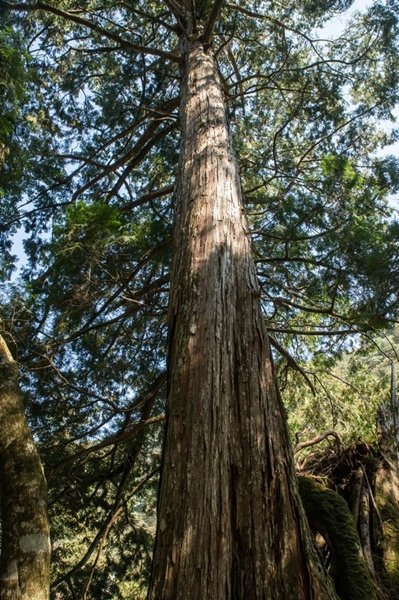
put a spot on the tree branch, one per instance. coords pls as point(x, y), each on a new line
point(210, 25)
point(168, 189)
point(317, 440)
point(90, 25)
point(291, 361)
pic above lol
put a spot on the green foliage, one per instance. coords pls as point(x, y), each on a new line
point(347, 392)
point(12, 84)
point(13, 81)
point(340, 170)
point(118, 567)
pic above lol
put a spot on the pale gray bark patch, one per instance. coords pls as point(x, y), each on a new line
point(34, 542)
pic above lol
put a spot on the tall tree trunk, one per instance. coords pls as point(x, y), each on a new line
point(25, 542)
point(230, 520)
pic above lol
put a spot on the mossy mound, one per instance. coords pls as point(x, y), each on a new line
point(328, 513)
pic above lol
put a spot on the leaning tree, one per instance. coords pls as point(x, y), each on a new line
point(198, 179)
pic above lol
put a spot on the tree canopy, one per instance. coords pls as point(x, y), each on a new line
point(89, 150)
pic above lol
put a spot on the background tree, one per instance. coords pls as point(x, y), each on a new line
point(25, 539)
point(101, 138)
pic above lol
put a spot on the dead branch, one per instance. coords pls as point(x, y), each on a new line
point(318, 439)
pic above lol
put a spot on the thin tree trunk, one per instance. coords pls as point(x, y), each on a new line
point(356, 494)
point(25, 542)
point(386, 531)
point(230, 520)
point(364, 527)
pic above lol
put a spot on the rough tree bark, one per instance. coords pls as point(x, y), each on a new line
point(386, 491)
point(25, 542)
point(230, 520)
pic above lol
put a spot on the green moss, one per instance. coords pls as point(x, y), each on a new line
point(328, 513)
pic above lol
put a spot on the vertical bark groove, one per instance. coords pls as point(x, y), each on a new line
point(230, 521)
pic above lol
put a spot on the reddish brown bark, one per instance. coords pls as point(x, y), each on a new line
point(230, 521)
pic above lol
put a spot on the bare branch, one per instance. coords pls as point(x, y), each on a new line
point(318, 439)
point(321, 332)
point(147, 400)
point(168, 189)
point(291, 361)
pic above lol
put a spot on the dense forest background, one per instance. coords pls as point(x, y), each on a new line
point(89, 153)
